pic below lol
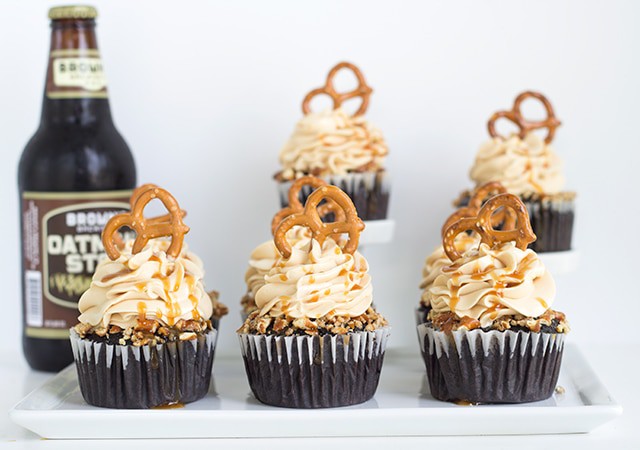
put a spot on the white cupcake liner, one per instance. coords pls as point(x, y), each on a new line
point(314, 371)
point(126, 376)
point(491, 366)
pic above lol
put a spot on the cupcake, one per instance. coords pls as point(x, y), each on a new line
point(490, 335)
point(264, 256)
point(145, 336)
point(527, 166)
point(343, 149)
point(315, 341)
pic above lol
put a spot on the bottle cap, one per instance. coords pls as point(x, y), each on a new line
point(73, 12)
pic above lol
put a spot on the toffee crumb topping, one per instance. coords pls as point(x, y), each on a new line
point(248, 303)
point(370, 320)
point(145, 332)
point(219, 308)
point(549, 322)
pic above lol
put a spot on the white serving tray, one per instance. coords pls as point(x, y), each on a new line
point(401, 407)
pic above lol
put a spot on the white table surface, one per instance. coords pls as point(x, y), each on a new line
point(616, 365)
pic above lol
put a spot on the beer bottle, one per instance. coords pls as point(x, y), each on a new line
point(74, 174)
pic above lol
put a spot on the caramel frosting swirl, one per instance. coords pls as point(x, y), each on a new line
point(264, 257)
point(332, 143)
point(486, 284)
point(439, 259)
point(146, 285)
point(523, 166)
point(316, 281)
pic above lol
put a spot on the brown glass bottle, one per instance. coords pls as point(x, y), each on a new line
point(75, 172)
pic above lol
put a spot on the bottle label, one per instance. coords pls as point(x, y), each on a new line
point(76, 73)
point(61, 249)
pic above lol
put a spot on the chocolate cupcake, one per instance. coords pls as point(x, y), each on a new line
point(527, 166)
point(145, 336)
point(345, 150)
point(315, 341)
point(489, 335)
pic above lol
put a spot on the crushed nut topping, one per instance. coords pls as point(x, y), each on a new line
point(145, 332)
point(331, 324)
point(248, 303)
point(219, 309)
point(449, 321)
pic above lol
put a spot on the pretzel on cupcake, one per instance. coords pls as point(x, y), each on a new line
point(505, 216)
point(522, 234)
point(167, 225)
point(524, 125)
point(363, 90)
point(295, 206)
point(309, 217)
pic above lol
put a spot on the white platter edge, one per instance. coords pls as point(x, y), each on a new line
point(598, 408)
point(378, 232)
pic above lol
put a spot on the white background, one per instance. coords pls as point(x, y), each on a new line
point(206, 93)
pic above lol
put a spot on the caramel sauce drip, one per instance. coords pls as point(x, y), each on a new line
point(535, 185)
point(142, 310)
point(464, 403)
point(544, 304)
point(343, 272)
point(174, 311)
point(524, 265)
point(194, 312)
point(447, 322)
point(469, 323)
point(166, 284)
point(312, 279)
point(476, 276)
point(314, 298)
point(170, 406)
point(283, 277)
point(454, 292)
point(120, 273)
point(494, 311)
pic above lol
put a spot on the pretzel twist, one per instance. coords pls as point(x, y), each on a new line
point(363, 90)
point(505, 216)
point(117, 237)
point(309, 217)
point(167, 225)
point(525, 126)
point(295, 206)
point(481, 224)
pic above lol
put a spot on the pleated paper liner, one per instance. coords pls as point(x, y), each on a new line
point(369, 192)
point(491, 366)
point(552, 223)
point(125, 376)
point(314, 371)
